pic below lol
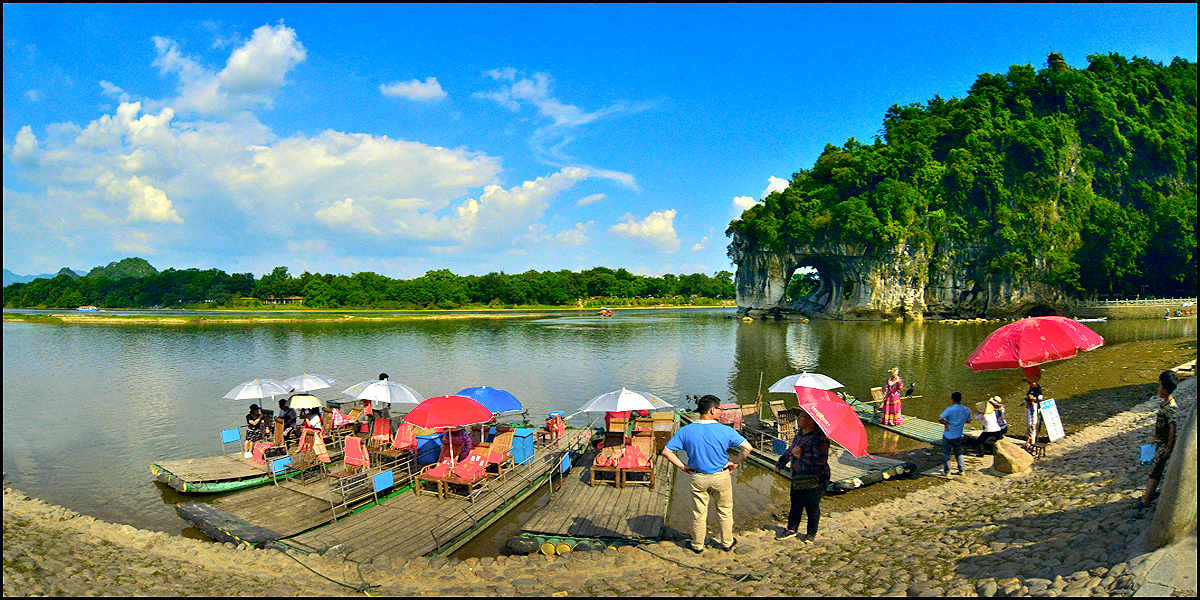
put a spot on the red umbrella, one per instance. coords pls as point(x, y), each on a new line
point(448, 411)
point(445, 412)
point(1033, 341)
point(836, 418)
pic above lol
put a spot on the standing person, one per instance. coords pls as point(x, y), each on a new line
point(809, 468)
point(991, 415)
point(1032, 397)
point(707, 445)
point(954, 418)
point(254, 421)
point(1164, 434)
point(891, 397)
point(381, 409)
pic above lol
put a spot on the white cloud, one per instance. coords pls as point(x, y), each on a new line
point(259, 66)
point(701, 245)
point(550, 140)
point(347, 213)
point(144, 201)
point(33, 95)
point(575, 237)
point(25, 145)
point(429, 91)
point(743, 202)
point(774, 184)
point(252, 74)
point(586, 200)
point(657, 230)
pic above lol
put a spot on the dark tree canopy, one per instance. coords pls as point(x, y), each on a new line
point(1082, 179)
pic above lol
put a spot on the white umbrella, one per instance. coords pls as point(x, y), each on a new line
point(621, 400)
point(258, 389)
point(305, 401)
point(308, 382)
point(812, 380)
point(382, 390)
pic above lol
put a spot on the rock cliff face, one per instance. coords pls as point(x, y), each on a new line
point(899, 282)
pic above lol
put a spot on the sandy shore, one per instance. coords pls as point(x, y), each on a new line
point(1066, 528)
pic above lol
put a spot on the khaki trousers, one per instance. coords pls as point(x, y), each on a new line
point(719, 484)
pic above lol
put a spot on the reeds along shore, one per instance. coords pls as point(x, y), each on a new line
point(1065, 528)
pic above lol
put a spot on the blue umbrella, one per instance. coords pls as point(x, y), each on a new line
point(497, 401)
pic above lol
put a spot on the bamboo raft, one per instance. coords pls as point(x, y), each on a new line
point(406, 526)
point(846, 471)
point(587, 515)
point(211, 474)
point(910, 427)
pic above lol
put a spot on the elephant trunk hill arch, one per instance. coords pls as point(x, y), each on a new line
point(903, 281)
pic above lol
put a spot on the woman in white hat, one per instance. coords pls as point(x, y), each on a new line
point(991, 415)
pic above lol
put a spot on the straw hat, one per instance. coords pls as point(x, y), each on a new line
point(895, 371)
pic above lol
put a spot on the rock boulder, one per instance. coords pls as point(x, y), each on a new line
point(1011, 458)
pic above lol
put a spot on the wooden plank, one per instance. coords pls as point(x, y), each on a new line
point(213, 468)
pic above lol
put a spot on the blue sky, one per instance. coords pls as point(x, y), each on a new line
point(400, 139)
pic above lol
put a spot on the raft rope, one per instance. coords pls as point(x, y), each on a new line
point(738, 577)
point(360, 588)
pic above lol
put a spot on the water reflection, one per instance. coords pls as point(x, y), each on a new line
point(88, 408)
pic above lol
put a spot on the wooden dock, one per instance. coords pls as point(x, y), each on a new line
point(600, 513)
point(846, 471)
point(410, 525)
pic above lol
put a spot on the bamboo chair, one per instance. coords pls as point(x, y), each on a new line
point(638, 458)
point(404, 441)
point(354, 461)
point(434, 473)
point(381, 434)
point(611, 451)
point(500, 450)
point(470, 472)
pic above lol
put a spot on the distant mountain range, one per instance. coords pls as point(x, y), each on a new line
point(129, 267)
point(10, 277)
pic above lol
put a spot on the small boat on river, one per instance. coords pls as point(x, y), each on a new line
point(88, 309)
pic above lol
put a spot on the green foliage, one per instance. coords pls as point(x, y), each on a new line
point(1083, 179)
point(127, 267)
point(440, 289)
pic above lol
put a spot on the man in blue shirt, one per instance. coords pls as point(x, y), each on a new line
point(707, 444)
point(954, 418)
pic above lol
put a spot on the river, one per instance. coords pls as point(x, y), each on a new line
point(87, 408)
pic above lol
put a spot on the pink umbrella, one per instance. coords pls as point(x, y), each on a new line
point(1033, 341)
point(836, 418)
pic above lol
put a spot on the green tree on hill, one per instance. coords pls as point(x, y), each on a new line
point(1084, 179)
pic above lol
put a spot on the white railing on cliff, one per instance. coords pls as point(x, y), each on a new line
point(1141, 302)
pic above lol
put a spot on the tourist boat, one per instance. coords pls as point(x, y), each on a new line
point(1094, 320)
point(88, 308)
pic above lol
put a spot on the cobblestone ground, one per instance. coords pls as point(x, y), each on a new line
point(1068, 528)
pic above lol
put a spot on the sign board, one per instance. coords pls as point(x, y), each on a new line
point(1050, 417)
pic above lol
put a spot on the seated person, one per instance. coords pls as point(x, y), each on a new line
point(288, 414)
point(312, 419)
point(460, 441)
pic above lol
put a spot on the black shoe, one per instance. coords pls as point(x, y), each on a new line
point(786, 534)
point(730, 546)
point(690, 546)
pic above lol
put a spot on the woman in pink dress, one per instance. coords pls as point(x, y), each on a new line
point(891, 398)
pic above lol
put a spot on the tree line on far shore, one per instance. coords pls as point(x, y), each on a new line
point(440, 289)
